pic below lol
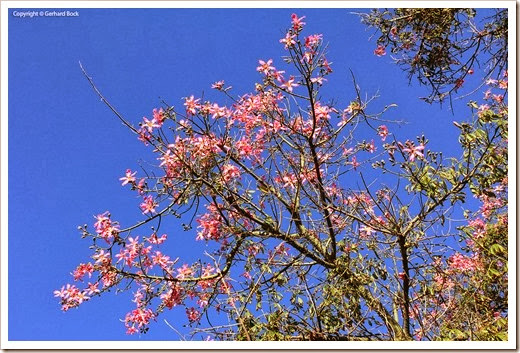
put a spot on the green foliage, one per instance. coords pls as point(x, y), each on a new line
point(439, 46)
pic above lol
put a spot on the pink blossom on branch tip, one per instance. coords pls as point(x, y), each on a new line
point(129, 177)
point(289, 40)
point(192, 314)
point(159, 116)
point(265, 67)
point(148, 205)
point(149, 125)
point(382, 131)
point(297, 22)
point(380, 50)
point(319, 80)
point(218, 85)
point(192, 105)
point(413, 151)
point(289, 84)
point(313, 40)
point(230, 172)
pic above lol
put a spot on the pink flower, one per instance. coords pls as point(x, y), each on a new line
point(289, 84)
point(322, 112)
point(129, 177)
point(61, 293)
point(184, 272)
point(105, 227)
point(230, 172)
point(210, 224)
point(70, 297)
point(154, 239)
point(366, 231)
point(144, 136)
point(265, 67)
point(141, 185)
point(288, 40)
point(326, 65)
point(102, 258)
point(192, 314)
point(383, 132)
point(218, 85)
point(297, 22)
point(413, 151)
point(462, 263)
point(354, 162)
point(372, 147)
point(148, 205)
point(131, 330)
point(245, 148)
point(470, 72)
point(313, 40)
point(498, 98)
point(173, 297)
point(92, 288)
point(108, 279)
point(149, 125)
point(218, 112)
point(380, 50)
point(127, 255)
point(139, 316)
point(159, 116)
point(246, 275)
point(307, 56)
point(319, 80)
point(82, 270)
point(278, 75)
point(162, 260)
point(192, 105)
point(289, 180)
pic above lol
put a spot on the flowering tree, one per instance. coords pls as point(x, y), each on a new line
point(304, 241)
point(440, 47)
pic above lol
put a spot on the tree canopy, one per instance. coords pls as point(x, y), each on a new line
point(316, 228)
point(441, 46)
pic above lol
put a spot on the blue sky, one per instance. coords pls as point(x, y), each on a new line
point(67, 151)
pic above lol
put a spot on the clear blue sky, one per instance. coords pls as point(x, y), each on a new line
point(67, 150)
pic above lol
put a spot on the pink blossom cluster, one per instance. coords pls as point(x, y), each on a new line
point(210, 224)
point(138, 319)
point(479, 227)
point(461, 262)
point(173, 297)
point(148, 125)
point(105, 227)
point(71, 296)
point(489, 205)
point(193, 314)
point(382, 131)
point(129, 253)
point(148, 205)
point(82, 270)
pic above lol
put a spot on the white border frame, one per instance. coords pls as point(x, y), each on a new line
point(214, 345)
